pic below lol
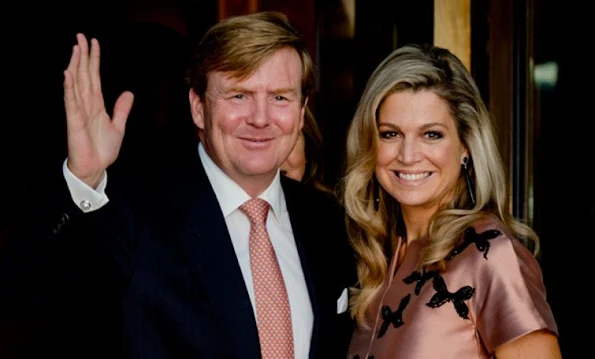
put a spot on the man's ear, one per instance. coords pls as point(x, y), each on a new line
point(197, 109)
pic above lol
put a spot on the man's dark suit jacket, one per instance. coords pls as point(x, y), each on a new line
point(154, 274)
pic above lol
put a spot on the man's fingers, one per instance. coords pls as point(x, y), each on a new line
point(94, 66)
point(83, 77)
point(74, 59)
point(70, 100)
point(122, 110)
point(73, 66)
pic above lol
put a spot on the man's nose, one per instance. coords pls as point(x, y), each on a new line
point(260, 115)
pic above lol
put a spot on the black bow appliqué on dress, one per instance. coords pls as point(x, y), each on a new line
point(419, 278)
point(480, 240)
point(458, 298)
point(395, 318)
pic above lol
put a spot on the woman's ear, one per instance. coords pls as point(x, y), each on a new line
point(465, 156)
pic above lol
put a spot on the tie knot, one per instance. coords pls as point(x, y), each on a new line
point(256, 209)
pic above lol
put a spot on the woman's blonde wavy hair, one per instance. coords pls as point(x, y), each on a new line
point(373, 231)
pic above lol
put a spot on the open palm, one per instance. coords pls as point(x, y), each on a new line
point(94, 139)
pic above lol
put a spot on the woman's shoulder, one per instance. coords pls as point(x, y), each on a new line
point(488, 238)
point(506, 279)
point(490, 255)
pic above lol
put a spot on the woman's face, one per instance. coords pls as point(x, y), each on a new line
point(295, 165)
point(419, 152)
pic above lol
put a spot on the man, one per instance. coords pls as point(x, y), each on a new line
point(171, 249)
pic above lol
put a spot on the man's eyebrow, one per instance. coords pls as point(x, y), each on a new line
point(237, 89)
point(285, 90)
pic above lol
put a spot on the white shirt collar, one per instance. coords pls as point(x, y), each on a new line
point(231, 196)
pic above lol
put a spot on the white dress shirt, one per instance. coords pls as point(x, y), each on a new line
point(230, 197)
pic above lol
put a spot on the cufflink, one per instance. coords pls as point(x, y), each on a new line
point(85, 205)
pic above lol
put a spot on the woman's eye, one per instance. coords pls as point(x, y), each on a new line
point(433, 135)
point(388, 134)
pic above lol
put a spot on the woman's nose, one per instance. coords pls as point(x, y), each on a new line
point(409, 151)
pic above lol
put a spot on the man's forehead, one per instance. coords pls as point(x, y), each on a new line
point(282, 61)
point(284, 80)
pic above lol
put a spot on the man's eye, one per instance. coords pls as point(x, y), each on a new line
point(239, 96)
point(280, 98)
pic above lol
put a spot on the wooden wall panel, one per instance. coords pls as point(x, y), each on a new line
point(227, 8)
point(452, 27)
point(500, 72)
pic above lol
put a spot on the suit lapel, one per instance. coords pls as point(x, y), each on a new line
point(205, 240)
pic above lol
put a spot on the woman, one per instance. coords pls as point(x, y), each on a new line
point(443, 267)
point(304, 163)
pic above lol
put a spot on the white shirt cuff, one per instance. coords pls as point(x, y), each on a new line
point(85, 197)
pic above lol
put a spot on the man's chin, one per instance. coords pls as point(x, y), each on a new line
point(257, 169)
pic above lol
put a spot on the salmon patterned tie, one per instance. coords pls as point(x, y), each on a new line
point(273, 314)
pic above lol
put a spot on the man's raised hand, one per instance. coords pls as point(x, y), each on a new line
point(94, 139)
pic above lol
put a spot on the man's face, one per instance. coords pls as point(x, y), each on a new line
point(250, 126)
